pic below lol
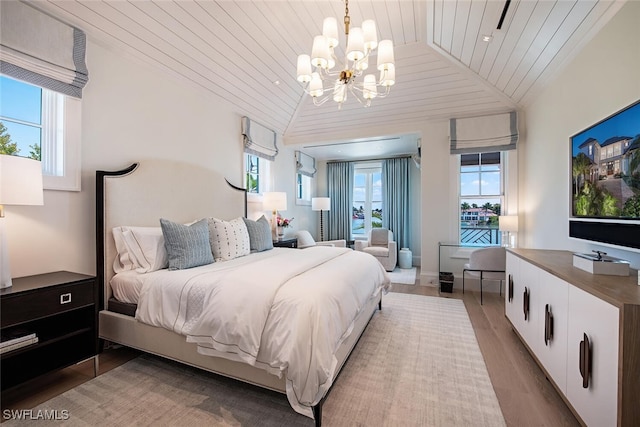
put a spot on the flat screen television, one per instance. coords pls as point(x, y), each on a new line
point(605, 180)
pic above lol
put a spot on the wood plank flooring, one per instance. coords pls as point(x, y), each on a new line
point(525, 396)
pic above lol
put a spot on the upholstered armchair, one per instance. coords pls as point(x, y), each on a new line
point(382, 246)
point(305, 240)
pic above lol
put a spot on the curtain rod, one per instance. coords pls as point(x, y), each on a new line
point(408, 156)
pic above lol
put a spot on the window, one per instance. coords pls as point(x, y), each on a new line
point(303, 189)
point(44, 125)
point(257, 173)
point(367, 199)
point(481, 198)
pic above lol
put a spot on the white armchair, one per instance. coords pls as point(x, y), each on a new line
point(382, 246)
point(305, 240)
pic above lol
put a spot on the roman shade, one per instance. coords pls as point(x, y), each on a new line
point(305, 164)
point(259, 140)
point(41, 50)
point(484, 134)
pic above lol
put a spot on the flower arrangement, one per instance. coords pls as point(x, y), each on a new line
point(283, 222)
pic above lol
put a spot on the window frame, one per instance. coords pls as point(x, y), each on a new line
point(60, 139)
point(264, 176)
point(303, 189)
point(369, 168)
point(461, 198)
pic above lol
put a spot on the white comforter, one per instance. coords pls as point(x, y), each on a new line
point(286, 311)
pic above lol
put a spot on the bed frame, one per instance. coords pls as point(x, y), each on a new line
point(138, 196)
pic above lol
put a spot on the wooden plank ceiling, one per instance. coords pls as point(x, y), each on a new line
point(245, 52)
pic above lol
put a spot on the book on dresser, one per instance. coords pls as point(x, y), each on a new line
point(15, 340)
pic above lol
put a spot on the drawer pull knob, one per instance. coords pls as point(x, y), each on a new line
point(510, 288)
point(65, 298)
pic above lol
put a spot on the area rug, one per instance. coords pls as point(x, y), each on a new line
point(403, 276)
point(417, 364)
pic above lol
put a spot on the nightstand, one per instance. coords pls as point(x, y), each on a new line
point(60, 309)
point(286, 243)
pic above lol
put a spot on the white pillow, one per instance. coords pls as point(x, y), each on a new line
point(141, 249)
point(228, 239)
point(123, 261)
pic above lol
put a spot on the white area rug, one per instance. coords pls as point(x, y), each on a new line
point(404, 276)
point(417, 364)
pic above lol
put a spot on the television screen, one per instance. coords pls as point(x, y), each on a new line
point(605, 180)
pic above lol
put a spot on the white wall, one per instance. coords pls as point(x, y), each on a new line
point(130, 111)
point(603, 78)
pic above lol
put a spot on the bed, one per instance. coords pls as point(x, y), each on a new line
point(236, 316)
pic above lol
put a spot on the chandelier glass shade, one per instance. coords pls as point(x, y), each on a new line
point(317, 71)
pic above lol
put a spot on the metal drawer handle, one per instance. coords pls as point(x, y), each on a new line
point(65, 298)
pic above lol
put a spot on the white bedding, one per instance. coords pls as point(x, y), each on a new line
point(283, 310)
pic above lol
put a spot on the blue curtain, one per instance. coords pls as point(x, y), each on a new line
point(340, 187)
point(395, 199)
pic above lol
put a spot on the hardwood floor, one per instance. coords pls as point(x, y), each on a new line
point(525, 396)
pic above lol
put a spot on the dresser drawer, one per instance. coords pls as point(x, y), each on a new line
point(32, 305)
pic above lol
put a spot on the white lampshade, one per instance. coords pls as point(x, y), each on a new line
point(20, 184)
point(320, 203)
point(385, 54)
point(370, 91)
point(355, 44)
point(388, 75)
point(330, 31)
point(20, 181)
point(508, 223)
point(320, 52)
point(369, 34)
point(315, 87)
point(274, 201)
point(304, 68)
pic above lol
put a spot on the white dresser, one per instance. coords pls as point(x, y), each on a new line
point(582, 329)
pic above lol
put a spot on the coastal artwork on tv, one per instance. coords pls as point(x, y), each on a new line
point(605, 167)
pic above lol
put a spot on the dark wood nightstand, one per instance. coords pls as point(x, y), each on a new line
point(61, 310)
point(286, 243)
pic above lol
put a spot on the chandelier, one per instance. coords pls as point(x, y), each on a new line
point(361, 42)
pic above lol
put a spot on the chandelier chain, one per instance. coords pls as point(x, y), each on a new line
point(347, 18)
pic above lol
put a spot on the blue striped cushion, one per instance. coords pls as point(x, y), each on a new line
point(187, 245)
point(259, 234)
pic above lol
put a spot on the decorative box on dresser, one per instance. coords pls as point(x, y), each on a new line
point(583, 330)
point(58, 308)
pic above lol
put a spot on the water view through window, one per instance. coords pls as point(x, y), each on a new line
point(367, 199)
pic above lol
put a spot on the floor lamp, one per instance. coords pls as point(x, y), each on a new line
point(274, 201)
point(20, 184)
point(321, 204)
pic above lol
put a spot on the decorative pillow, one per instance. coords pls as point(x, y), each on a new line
point(187, 245)
point(259, 234)
point(229, 239)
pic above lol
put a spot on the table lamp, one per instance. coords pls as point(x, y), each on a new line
point(274, 201)
point(20, 184)
point(321, 204)
point(508, 224)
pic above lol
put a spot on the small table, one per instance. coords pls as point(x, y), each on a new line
point(286, 243)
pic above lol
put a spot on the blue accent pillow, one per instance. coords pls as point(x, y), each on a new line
point(187, 245)
point(259, 234)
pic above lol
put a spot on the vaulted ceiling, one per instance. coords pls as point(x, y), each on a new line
point(245, 52)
